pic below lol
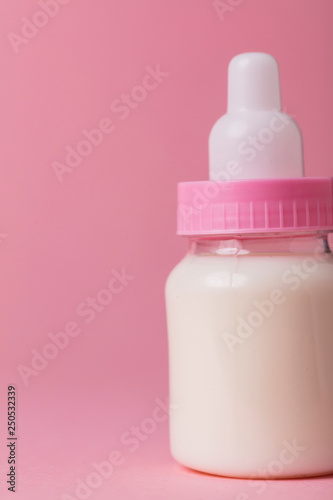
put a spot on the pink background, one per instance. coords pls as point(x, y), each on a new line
point(59, 241)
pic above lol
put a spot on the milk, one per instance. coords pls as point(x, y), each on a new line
point(241, 394)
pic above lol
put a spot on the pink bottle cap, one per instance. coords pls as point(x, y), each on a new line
point(255, 206)
point(256, 168)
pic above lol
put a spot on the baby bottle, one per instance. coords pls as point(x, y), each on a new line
point(250, 307)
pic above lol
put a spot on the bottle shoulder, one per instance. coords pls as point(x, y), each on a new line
point(199, 272)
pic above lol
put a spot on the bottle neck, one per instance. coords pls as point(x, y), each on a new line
point(261, 244)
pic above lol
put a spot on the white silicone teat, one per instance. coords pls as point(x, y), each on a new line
point(255, 139)
point(253, 83)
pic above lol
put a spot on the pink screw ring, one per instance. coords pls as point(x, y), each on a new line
point(255, 206)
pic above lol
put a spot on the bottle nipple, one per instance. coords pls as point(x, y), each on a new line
point(255, 139)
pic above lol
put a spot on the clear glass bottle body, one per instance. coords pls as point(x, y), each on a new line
point(250, 325)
